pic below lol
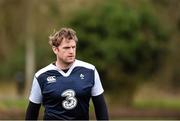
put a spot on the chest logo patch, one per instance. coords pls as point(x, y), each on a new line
point(81, 76)
point(51, 79)
point(70, 102)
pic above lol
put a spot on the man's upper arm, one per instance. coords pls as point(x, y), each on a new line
point(97, 88)
point(35, 94)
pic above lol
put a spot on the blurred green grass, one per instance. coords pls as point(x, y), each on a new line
point(158, 104)
point(22, 103)
point(19, 107)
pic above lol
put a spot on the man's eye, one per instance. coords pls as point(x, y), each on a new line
point(66, 47)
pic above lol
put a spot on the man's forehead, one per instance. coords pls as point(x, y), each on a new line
point(67, 42)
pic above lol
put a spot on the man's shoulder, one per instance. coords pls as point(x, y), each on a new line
point(44, 69)
point(84, 64)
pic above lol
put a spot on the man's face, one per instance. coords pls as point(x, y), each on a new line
point(66, 51)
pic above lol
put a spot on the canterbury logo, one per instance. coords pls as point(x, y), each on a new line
point(51, 79)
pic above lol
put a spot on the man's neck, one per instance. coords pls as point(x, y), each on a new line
point(63, 66)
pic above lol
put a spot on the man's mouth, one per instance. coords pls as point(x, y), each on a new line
point(70, 56)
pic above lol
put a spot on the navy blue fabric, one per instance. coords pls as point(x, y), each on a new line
point(32, 111)
point(51, 93)
point(100, 107)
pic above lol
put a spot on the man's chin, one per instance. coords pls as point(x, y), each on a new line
point(70, 61)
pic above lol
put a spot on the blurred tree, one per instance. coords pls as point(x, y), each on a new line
point(126, 44)
point(11, 34)
point(168, 12)
point(30, 45)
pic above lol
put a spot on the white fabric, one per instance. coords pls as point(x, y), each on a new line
point(97, 88)
point(35, 95)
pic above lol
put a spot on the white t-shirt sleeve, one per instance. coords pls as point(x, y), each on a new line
point(97, 89)
point(35, 94)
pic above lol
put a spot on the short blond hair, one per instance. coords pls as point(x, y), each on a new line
point(56, 38)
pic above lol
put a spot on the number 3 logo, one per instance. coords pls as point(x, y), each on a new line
point(70, 101)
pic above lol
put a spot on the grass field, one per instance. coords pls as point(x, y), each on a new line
point(13, 106)
point(15, 109)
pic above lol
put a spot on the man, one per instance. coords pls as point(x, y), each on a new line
point(65, 87)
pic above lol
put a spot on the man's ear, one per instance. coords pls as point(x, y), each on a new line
point(55, 49)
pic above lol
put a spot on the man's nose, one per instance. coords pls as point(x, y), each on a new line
point(71, 50)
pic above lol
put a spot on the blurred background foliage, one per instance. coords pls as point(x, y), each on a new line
point(131, 42)
point(126, 44)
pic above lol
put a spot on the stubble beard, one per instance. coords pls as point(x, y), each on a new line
point(65, 63)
